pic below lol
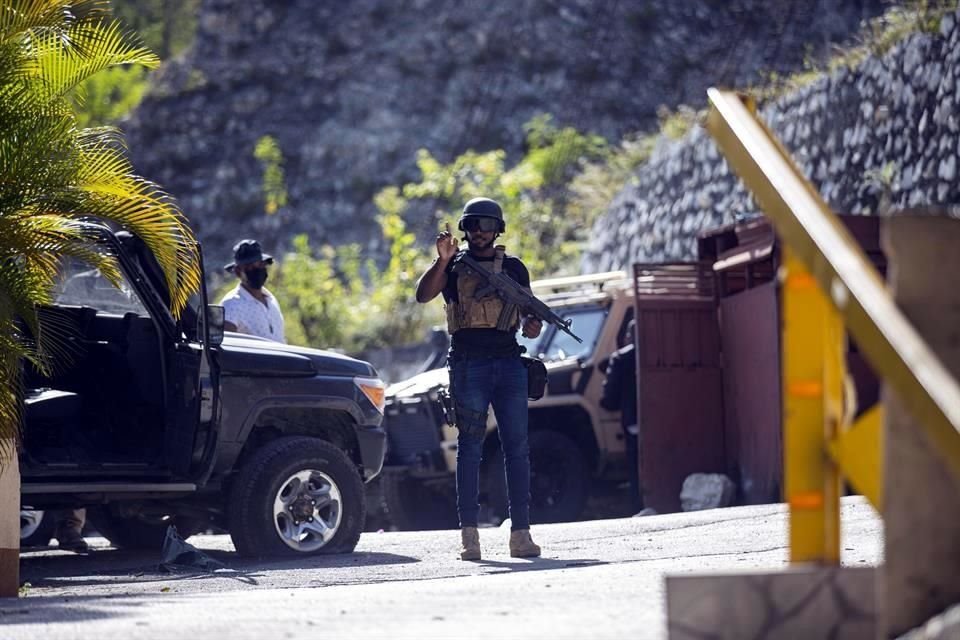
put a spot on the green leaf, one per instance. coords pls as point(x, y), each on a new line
point(54, 173)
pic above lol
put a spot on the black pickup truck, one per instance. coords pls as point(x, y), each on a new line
point(150, 420)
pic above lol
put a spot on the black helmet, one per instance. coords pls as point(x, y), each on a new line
point(482, 208)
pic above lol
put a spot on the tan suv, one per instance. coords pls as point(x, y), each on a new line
point(574, 442)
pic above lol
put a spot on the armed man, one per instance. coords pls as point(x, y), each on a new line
point(485, 366)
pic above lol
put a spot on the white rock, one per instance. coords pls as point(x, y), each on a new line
point(946, 25)
point(948, 169)
point(706, 491)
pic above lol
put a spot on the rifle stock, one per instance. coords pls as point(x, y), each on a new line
point(512, 293)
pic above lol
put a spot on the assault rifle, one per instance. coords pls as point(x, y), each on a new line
point(512, 294)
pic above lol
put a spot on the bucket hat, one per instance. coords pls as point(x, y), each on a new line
point(247, 252)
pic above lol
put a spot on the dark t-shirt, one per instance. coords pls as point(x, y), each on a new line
point(491, 343)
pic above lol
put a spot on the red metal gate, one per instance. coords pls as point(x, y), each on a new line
point(744, 259)
point(679, 395)
point(751, 388)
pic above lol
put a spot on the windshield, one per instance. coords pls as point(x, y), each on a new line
point(84, 286)
point(587, 324)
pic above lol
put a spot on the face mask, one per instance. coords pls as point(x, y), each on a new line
point(256, 277)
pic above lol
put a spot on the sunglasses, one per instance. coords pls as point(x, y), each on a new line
point(481, 224)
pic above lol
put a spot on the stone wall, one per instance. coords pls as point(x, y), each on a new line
point(351, 91)
point(882, 135)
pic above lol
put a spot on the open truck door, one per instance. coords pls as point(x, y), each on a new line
point(190, 374)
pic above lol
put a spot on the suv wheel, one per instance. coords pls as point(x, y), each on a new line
point(559, 479)
point(36, 528)
point(138, 531)
point(297, 496)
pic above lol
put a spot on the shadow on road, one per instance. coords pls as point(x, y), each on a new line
point(47, 610)
point(535, 564)
point(106, 567)
point(333, 561)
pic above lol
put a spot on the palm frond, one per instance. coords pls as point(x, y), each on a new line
point(58, 342)
point(18, 16)
point(52, 175)
point(10, 394)
point(65, 60)
point(42, 241)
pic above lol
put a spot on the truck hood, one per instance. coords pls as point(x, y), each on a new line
point(419, 384)
point(427, 381)
point(250, 356)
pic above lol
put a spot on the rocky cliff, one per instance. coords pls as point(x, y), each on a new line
point(350, 90)
point(881, 136)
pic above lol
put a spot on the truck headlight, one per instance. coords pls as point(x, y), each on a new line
point(374, 389)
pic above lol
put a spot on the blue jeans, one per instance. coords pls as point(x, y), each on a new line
point(476, 383)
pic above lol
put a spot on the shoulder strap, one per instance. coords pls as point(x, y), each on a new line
point(499, 252)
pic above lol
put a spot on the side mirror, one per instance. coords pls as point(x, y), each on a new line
point(212, 334)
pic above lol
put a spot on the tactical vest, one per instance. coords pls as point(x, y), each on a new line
point(473, 312)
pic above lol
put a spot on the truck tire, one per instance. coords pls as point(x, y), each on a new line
point(413, 506)
point(297, 496)
point(138, 532)
point(36, 528)
point(559, 479)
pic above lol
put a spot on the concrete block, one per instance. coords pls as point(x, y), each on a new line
point(945, 626)
point(799, 602)
point(921, 504)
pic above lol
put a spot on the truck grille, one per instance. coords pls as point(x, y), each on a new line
point(412, 429)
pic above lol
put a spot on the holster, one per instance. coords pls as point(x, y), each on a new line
point(472, 424)
point(446, 406)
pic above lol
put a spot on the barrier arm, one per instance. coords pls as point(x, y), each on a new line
point(820, 250)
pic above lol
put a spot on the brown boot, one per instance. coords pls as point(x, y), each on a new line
point(469, 543)
point(522, 545)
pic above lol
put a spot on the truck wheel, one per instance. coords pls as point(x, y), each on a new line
point(36, 528)
point(138, 532)
point(559, 479)
point(413, 506)
point(297, 496)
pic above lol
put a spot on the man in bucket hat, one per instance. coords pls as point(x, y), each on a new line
point(250, 308)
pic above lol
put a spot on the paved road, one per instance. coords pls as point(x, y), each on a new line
point(597, 579)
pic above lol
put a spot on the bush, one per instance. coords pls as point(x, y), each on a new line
point(543, 228)
point(332, 299)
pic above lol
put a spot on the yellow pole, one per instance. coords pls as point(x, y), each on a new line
point(834, 374)
point(812, 392)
